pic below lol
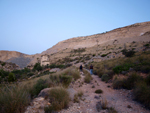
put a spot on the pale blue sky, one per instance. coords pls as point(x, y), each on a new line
point(32, 26)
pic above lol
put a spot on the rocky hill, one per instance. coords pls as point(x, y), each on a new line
point(22, 60)
point(8, 66)
point(124, 34)
point(139, 32)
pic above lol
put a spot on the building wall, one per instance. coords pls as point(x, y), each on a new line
point(45, 60)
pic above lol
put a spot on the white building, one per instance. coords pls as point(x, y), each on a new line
point(45, 60)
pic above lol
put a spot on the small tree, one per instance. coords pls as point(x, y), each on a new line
point(37, 67)
point(11, 77)
point(127, 53)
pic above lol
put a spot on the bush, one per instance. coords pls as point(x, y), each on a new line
point(103, 55)
point(11, 77)
point(128, 83)
point(13, 99)
point(37, 67)
point(106, 77)
point(129, 53)
point(59, 99)
point(132, 80)
point(124, 67)
point(88, 77)
point(40, 84)
point(3, 73)
point(119, 83)
point(99, 91)
point(142, 94)
point(65, 80)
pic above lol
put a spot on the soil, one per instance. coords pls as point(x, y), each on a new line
point(121, 100)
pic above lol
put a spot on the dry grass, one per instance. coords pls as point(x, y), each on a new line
point(78, 96)
point(59, 99)
point(88, 77)
point(104, 104)
point(13, 99)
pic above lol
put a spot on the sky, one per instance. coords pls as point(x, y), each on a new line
point(33, 26)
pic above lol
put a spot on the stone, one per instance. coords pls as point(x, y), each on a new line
point(55, 70)
point(97, 97)
point(71, 92)
point(44, 92)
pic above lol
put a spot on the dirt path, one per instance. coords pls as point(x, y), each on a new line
point(120, 100)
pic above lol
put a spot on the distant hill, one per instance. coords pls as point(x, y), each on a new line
point(138, 32)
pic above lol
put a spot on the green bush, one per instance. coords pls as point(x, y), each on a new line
point(3, 73)
point(13, 99)
point(146, 45)
point(59, 99)
point(103, 55)
point(40, 84)
point(127, 53)
point(106, 77)
point(11, 77)
point(3, 64)
point(124, 67)
point(99, 91)
point(37, 67)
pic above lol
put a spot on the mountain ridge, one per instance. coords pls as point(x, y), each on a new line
point(137, 32)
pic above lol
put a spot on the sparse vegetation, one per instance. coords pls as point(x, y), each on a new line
point(11, 77)
point(106, 77)
point(59, 99)
point(77, 97)
point(129, 53)
point(64, 77)
point(88, 77)
point(104, 104)
point(13, 99)
point(112, 110)
point(40, 84)
point(98, 91)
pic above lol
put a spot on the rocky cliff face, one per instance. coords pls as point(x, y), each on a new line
point(137, 32)
point(132, 31)
point(22, 60)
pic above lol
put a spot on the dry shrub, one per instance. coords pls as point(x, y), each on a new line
point(142, 93)
point(88, 77)
point(13, 99)
point(98, 91)
point(104, 104)
point(59, 99)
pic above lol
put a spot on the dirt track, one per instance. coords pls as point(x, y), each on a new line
point(118, 99)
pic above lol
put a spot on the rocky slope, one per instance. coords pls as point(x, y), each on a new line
point(22, 60)
point(124, 34)
point(8, 66)
point(138, 32)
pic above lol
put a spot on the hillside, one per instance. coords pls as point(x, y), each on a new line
point(139, 33)
point(124, 34)
point(22, 60)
